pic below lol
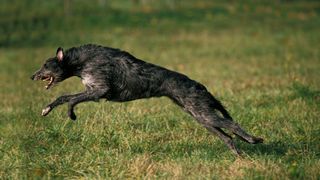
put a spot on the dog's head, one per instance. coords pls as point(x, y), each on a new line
point(52, 70)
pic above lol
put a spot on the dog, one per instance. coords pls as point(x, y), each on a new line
point(118, 76)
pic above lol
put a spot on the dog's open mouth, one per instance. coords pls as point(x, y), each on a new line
point(49, 79)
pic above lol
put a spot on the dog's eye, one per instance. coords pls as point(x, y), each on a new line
point(45, 66)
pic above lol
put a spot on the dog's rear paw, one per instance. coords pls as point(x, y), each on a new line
point(46, 111)
point(257, 140)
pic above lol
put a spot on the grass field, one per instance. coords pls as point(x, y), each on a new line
point(260, 58)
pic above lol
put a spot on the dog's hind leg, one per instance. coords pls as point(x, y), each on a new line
point(225, 138)
point(206, 122)
point(236, 129)
point(205, 108)
point(228, 123)
point(210, 119)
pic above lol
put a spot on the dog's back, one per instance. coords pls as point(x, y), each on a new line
point(129, 78)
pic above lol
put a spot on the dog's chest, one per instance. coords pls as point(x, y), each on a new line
point(88, 81)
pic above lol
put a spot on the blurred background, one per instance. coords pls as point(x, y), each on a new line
point(37, 23)
point(260, 58)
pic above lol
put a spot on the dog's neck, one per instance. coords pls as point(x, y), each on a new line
point(73, 62)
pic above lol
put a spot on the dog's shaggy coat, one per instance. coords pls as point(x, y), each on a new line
point(118, 76)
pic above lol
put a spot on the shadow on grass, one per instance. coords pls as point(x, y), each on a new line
point(277, 148)
point(282, 148)
point(204, 151)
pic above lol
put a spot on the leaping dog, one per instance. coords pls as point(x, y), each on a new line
point(118, 76)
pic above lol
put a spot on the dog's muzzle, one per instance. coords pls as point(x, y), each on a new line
point(32, 77)
point(48, 78)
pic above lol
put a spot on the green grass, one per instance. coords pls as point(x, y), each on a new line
point(261, 59)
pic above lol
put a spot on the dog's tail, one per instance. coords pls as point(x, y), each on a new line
point(218, 106)
point(224, 112)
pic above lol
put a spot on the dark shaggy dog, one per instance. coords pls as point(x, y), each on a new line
point(118, 76)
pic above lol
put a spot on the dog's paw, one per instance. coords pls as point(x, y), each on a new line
point(72, 115)
point(46, 111)
point(257, 140)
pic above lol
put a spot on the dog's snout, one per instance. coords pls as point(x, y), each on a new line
point(34, 76)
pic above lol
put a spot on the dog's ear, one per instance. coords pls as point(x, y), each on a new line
point(59, 54)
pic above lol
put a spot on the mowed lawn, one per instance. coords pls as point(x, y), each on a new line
point(261, 59)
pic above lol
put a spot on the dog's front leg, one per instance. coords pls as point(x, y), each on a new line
point(92, 95)
point(60, 100)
